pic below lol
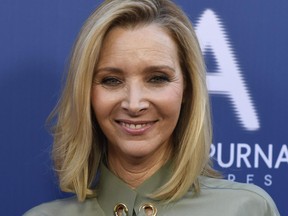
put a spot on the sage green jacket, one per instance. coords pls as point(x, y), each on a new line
point(217, 198)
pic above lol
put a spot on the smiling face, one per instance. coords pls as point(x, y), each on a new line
point(137, 92)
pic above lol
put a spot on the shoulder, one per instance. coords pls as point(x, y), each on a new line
point(226, 186)
point(69, 206)
point(247, 198)
point(226, 198)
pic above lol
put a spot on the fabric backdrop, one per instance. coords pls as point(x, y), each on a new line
point(245, 47)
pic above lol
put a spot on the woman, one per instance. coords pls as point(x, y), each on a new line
point(133, 126)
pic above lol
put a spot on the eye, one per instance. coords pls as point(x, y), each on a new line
point(111, 81)
point(159, 79)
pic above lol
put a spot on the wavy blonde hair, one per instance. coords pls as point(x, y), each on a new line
point(78, 140)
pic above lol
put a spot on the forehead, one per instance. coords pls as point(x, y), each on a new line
point(139, 40)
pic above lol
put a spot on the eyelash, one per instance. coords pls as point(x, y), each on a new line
point(115, 82)
point(158, 79)
point(111, 81)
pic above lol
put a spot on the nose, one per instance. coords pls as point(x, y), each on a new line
point(135, 101)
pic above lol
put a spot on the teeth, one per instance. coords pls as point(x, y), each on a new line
point(134, 126)
point(138, 126)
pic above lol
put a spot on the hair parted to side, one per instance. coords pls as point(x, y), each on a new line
point(78, 140)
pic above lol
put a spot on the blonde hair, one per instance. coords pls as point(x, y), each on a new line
point(78, 140)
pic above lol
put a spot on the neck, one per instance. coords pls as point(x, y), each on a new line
point(135, 171)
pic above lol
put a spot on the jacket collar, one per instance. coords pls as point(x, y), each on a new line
point(111, 190)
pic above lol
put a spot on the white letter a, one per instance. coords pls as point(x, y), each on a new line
point(228, 80)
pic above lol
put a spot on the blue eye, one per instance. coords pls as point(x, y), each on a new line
point(159, 79)
point(111, 81)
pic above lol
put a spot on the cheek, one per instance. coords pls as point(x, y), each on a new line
point(176, 92)
point(99, 101)
point(104, 102)
point(171, 101)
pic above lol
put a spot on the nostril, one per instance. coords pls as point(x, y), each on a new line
point(135, 108)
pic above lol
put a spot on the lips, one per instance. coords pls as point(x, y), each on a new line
point(135, 128)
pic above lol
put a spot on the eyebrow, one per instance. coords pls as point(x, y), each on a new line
point(147, 69)
point(159, 68)
point(109, 69)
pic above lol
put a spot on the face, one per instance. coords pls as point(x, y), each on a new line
point(137, 92)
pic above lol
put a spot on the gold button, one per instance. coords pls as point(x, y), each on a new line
point(120, 210)
point(148, 209)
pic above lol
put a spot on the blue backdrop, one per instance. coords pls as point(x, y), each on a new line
point(245, 47)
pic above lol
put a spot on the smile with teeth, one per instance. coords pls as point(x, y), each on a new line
point(134, 126)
